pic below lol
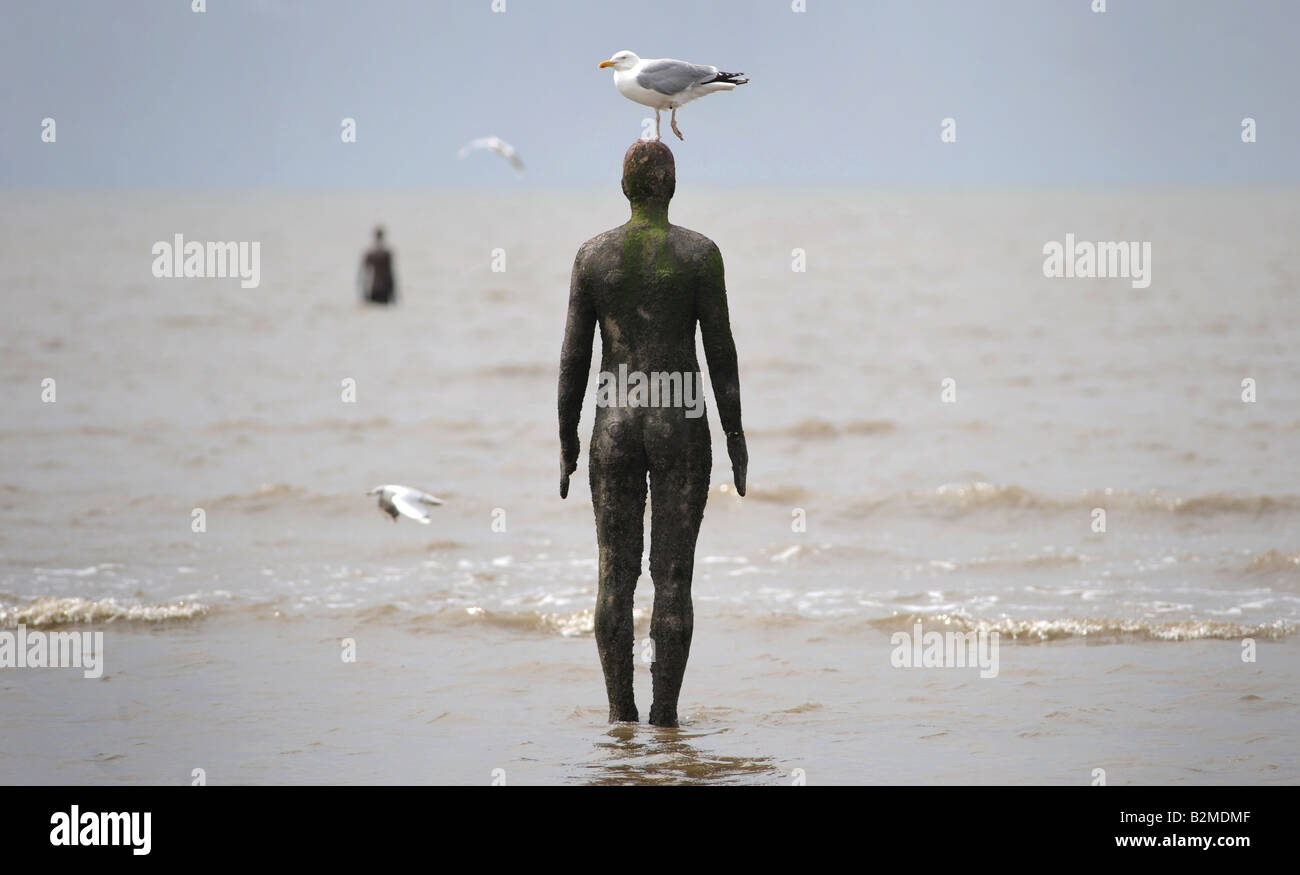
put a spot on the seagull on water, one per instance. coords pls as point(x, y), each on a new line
point(496, 144)
point(662, 83)
point(403, 500)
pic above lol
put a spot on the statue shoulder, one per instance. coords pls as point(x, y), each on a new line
point(601, 245)
point(692, 246)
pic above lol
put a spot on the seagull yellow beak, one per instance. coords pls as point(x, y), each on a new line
point(604, 64)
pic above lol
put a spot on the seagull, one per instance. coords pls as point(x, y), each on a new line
point(496, 144)
point(404, 500)
point(662, 83)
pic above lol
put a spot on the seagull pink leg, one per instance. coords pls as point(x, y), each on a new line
point(657, 137)
point(674, 125)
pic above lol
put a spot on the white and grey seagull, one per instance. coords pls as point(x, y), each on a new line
point(397, 500)
point(496, 144)
point(663, 83)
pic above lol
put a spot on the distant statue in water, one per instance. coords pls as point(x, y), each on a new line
point(647, 284)
point(378, 285)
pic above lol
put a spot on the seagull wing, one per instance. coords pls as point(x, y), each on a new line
point(408, 504)
point(496, 144)
point(671, 77)
point(480, 143)
point(425, 497)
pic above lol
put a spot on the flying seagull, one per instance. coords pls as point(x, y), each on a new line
point(662, 83)
point(403, 500)
point(496, 144)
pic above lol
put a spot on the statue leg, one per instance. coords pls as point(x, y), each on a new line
point(679, 488)
point(618, 492)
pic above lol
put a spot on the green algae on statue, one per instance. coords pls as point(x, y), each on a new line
point(647, 284)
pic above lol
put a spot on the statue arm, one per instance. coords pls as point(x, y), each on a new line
point(575, 363)
point(720, 352)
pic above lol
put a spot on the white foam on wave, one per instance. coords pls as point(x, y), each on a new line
point(70, 611)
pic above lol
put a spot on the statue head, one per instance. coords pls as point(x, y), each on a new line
point(649, 174)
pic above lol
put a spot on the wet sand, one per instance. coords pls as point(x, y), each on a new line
point(269, 700)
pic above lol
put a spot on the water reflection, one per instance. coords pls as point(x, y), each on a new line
point(640, 755)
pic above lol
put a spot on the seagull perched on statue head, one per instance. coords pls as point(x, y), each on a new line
point(663, 83)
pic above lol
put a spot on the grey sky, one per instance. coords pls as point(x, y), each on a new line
point(252, 92)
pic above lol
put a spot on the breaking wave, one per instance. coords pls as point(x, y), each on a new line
point(51, 611)
point(1275, 560)
point(580, 623)
point(958, 498)
point(1093, 629)
point(571, 624)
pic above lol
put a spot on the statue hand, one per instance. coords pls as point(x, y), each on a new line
point(568, 463)
point(739, 454)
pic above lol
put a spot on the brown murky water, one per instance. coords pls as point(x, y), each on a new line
point(1119, 649)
